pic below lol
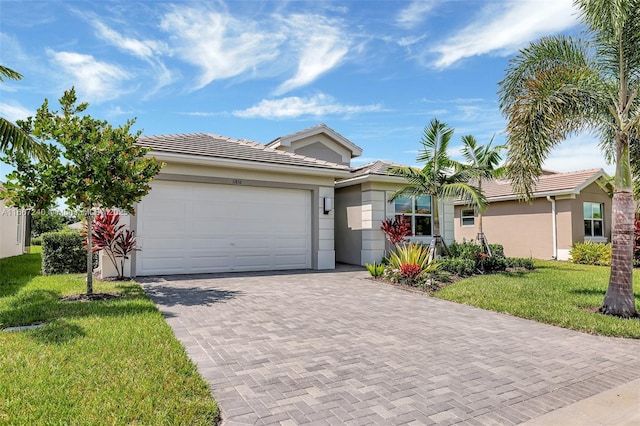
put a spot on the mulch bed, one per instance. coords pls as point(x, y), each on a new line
point(91, 297)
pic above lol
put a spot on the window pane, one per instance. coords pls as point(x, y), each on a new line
point(597, 211)
point(423, 225)
point(597, 228)
point(587, 210)
point(587, 228)
point(403, 205)
point(423, 204)
point(468, 221)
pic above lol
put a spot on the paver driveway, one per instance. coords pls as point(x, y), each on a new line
point(338, 348)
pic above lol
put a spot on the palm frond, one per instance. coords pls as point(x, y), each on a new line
point(9, 73)
point(12, 139)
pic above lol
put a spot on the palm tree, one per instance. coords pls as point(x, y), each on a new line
point(482, 161)
point(12, 138)
point(438, 178)
point(560, 85)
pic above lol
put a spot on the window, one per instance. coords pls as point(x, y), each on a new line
point(467, 217)
point(593, 224)
point(418, 209)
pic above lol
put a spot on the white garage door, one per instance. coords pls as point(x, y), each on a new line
point(186, 228)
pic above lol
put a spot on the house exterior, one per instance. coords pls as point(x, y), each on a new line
point(363, 202)
point(566, 208)
point(223, 205)
point(14, 230)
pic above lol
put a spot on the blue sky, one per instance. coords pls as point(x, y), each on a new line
point(375, 71)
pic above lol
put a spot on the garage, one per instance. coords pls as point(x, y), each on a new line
point(188, 227)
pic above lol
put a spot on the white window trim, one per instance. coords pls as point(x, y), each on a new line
point(412, 217)
point(463, 217)
point(595, 238)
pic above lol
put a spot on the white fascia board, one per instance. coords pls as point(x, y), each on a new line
point(369, 178)
point(513, 197)
point(247, 165)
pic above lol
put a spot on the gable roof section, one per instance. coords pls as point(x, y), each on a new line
point(380, 167)
point(221, 147)
point(286, 140)
point(548, 184)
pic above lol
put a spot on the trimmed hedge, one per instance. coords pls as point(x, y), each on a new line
point(63, 253)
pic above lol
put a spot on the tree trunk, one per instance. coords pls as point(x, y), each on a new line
point(619, 299)
point(89, 254)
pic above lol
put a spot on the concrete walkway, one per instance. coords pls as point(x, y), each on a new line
point(338, 348)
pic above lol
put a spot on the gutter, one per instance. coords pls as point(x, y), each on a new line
point(554, 227)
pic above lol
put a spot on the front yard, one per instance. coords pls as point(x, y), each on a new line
point(558, 293)
point(103, 362)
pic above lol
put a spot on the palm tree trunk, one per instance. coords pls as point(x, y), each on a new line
point(619, 299)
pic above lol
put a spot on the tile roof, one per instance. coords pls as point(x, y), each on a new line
point(569, 182)
point(380, 167)
point(215, 146)
point(356, 151)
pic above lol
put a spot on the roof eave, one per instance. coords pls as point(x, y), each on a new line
point(370, 178)
point(247, 165)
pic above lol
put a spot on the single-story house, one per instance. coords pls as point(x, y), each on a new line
point(14, 230)
point(566, 208)
point(222, 204)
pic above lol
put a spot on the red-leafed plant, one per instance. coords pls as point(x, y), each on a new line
point(112, 237)
point(397, 229)
point(410, 271)
point(636, 242)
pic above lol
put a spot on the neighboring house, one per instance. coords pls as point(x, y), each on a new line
point(222, 204)
point(14, 230)
point(566, 208)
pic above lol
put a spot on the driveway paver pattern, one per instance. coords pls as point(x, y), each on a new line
point(329, 348)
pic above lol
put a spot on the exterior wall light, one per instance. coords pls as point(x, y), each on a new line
point(327, 204)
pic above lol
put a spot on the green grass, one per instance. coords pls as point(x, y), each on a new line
point(100, 362)
point(555, 293)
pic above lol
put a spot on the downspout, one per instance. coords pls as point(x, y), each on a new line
point(554, 227)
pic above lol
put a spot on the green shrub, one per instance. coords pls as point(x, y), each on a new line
point(63, 253)
point(482, 262)
point(36, 241)
point(375, 269)
point(460, 266)
point(520, 262)
point(590, 253)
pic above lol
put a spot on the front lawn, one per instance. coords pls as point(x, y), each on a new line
point(558, 293)
point(103, 362)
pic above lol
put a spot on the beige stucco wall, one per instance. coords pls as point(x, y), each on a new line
point(310, 146)
point(10, 218)
point(523, 229)
point(592, 194)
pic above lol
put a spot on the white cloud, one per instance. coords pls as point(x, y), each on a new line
point(144, 49)
point(414, 14)
point(147, 50)
point(294, 106)
point(578, 153)
point(93, 79)
point(14, 111)
point(323, 47)
point(503, 29)
point(221, 45)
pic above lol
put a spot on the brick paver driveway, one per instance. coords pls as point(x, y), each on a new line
point(337, 348)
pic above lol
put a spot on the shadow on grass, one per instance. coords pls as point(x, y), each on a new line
point(18, 271)
point(58, 332)
point(601, 293)
point(192, 296)
point(38, 306)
